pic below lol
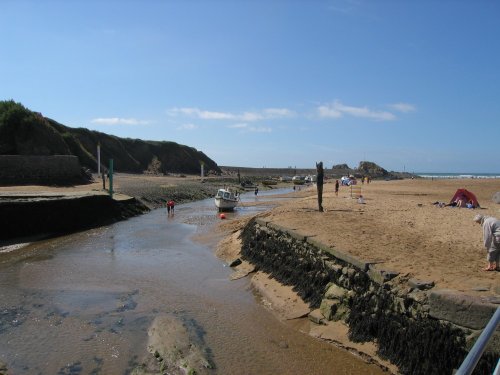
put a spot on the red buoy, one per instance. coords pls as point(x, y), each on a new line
point(222, 216)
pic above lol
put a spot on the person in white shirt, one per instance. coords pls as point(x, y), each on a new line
point(491, 240)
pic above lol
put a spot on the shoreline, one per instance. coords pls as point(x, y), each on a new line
point(398, 227)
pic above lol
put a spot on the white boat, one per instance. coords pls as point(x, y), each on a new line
point(226, 200)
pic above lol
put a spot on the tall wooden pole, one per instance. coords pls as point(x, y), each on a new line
point(111, 178)
point(98, 158)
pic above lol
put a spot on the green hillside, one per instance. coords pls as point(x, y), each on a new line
point(24, 132)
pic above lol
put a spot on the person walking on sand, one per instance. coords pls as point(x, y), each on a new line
point(336, 188)
point(170, 206)
point(491, 240)
point(319, 184)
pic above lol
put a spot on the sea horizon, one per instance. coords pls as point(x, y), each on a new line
point(456, 175)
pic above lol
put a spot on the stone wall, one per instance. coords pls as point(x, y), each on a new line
point(33, 169)
point(55, 215)
point(419, 329)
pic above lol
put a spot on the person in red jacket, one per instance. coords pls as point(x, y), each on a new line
point(170, 206)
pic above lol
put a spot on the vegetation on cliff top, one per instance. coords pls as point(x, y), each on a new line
point(24, 132)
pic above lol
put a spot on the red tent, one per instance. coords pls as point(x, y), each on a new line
point(463, 193)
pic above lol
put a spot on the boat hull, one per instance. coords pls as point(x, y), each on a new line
point(226, 200)
point(225, 204)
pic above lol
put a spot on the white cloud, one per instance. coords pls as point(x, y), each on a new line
point(208, 115)
point(197, 113)
point(118, 121)
point(278, 113)
point(329, 112)
point(269, 113)
point(403, 107)
point(245, 128)
point(249, 116)
point(337, 110)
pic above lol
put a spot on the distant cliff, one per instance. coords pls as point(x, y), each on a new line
point(368, 168)
point(365, 168)
point(24, 132)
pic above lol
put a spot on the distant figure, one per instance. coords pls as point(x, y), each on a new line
point(103, 181)
point(336, 188)
point(361, 200)
point(170, 206)
point(256, 191)
point(491, 240)
point(319, 184)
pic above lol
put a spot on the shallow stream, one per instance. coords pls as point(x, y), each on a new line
point(82, 304)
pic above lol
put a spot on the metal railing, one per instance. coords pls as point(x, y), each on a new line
point(477, 350)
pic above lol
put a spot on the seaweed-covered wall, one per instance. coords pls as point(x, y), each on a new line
point(414, 327)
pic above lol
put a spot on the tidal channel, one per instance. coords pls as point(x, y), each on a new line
point(82, 303)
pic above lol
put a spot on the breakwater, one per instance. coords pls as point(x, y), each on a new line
point(418, 328)
point(60, 214)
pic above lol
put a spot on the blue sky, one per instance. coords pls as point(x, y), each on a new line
point(409, 85)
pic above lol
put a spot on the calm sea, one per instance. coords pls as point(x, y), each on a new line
point(458, 175)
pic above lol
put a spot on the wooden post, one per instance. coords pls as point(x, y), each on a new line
point(111, 178)
point(98, 158)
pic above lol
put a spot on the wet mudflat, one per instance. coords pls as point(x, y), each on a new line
point(83, 303)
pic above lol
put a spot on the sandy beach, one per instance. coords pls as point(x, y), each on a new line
point(401, 228)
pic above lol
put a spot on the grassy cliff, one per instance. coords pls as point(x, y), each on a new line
point(24, 132)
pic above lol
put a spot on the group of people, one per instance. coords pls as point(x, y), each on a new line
point(462, 201)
